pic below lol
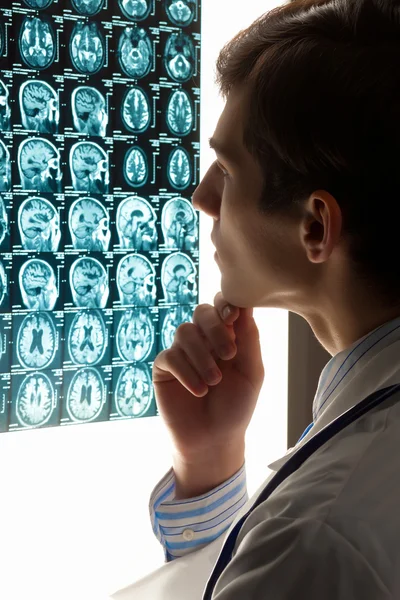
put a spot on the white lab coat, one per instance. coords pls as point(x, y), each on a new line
point(330, 531)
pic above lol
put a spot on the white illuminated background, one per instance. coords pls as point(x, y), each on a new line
point(74, 500)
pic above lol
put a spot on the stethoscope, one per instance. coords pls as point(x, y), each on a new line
point(291, 466)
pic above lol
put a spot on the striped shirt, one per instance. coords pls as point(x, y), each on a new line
point(183, 526)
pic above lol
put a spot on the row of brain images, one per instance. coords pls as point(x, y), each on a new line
point(40, 230)
point(39, 108)
point(37, 43)
point(179, 12)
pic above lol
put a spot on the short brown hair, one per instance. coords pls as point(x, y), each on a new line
point(324, 113)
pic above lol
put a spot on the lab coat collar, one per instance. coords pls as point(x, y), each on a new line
point(370, 364)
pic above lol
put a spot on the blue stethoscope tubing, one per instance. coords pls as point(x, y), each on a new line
point(313, 444)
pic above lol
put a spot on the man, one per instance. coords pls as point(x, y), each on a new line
point(304, 194)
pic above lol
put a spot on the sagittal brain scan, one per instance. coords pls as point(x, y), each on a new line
point(180, 12)
point(135, 335)
point(136, 224)
point(38, 285)
point(89, 225)
point(39, 165)
point(136, 281)
point(89, 283)
point(35, 400)
point(179, 224)
point(5, 110)
point(179, 169)
point(134, 392)
point(89, 168)
point(99, 240)
point(86, 395)
point(89, 111)
point(179, 57)
point(178, 279)
point(136, 10)
point(180, 113)
point(135, 52)
point(87, 338)
point(87, 48)
point(135, 110)
point(39, 225)
point(37, 43)
point(36, 341)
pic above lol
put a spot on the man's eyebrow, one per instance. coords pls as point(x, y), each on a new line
point(218, 147)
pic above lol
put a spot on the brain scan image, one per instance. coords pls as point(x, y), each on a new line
point(87, 48)
point(178, 279)
point(136, 167)
point(179, 169)
point(135, 335)
point(136, 281)
point(87, 338)
point(5, 110)
point(39, 4)
point(89, 225)
point(38, 285)
point(136, 224)
point(180, 12)
point(87, 7)
point(3, 284)
point(134, 391)
point(37, 43)
point(135, 110)
point(136, 10)
point(35, 400)
point(179, 224)
point(3, 221)
point(39, 165)
point(135, 53)
point(174, 317)
point(89, 283)
point(5, 168)
point(39, 105)
point(36, 341)
point(89, 111)
point(88, 163)
point(179, 114)
point(39, 225)
point(86, 395)
point(179, 57)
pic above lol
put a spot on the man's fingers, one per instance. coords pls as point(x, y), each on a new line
point(172, 365)
point(226, 311)
point(220, 336)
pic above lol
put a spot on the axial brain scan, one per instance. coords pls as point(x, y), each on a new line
point(39, 107)
point(180, 113)
point(89, 225)
point(136, 10)
point(5, 168)
point(134, 391)
point(39, 4)
point(135, 110)
point(86, 395)
point(135, 167)
point(136, 224)
point(89, 283)
point(36, 341)
point(135, 335)
point(178, 169)
point(135, 53)
point(89, 111)
point(178, 279)
point(87, 48)
point(88, 7)
point(37, 43)
point(39, 165)
point(89, 168)
point(136, 281)
point(179, 224)
point(3, 221)
point(38, 285)
point(35, 400)
point(5, 110)
point(87, 338)
point(39, 225)
point(174, 317)
point(180, 12)
point(179, 57)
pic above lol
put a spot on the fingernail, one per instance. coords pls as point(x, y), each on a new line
point(227, 311)
point(213, 375)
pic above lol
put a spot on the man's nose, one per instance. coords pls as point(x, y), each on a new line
point(207, 195)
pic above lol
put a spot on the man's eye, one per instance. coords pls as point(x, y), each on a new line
point(221, 168)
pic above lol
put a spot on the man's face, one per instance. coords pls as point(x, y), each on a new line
point(259, 257)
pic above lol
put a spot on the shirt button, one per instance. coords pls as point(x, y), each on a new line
point(188, 535)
